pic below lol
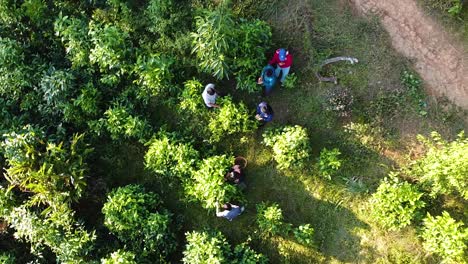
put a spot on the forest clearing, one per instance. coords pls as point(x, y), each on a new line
point(147, 132)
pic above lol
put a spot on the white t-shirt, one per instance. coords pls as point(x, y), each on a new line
point(209, 99)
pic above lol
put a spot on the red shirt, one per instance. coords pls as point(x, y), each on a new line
point(282, 64)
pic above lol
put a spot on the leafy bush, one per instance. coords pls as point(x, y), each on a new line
point(329, 162)
point(131, 214)
point(212, 41)
point(13, 72)
point(253, 39)
point(396, 204)
point(6, 258)
point(290, 81)
point(205, 247)
point(290, 146)
point(445, 165)
point(168, 157)
point(270, 219)
point(340, 101)
point(304, 234)
point(208, 185)
point(54, 173)
point(232, 118)
point(154, 75)
point(445, 237)
point(452, 7)
point(73, 33)
point(56, 86)
point(413, 85)
point(120, 257)
point(121, 124)
point(243, 254)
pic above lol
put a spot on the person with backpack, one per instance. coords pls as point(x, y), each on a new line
point(283, 59)
point(230, 211)
point(267, 79)
point(264, 113)
point(236, 176)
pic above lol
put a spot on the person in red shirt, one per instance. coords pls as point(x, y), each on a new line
point(283, 59)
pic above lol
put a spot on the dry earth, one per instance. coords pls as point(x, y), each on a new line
point(440, 60)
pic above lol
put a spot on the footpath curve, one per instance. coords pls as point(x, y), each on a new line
point(438, 58)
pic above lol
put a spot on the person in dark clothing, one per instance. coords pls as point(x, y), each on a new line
point(267, 79)
point(264, 113)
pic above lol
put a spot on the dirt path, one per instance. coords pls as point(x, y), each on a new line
point(441, 62)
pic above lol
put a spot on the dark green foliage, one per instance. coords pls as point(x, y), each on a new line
point(154, 75)
point(13, 71)
point(73, 33)
point(136, 218)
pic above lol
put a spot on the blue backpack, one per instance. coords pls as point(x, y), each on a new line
point(269, 77)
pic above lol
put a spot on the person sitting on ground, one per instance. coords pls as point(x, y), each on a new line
point(230, 211)
point(236, 175)
point(209, 96)
point(264, 113)
point(283, 59)
point(267, 79)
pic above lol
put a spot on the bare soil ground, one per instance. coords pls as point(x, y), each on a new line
point(438, 58)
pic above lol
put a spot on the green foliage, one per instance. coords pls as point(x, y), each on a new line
point(205, 248)
point(73, 33)
point(413, 85)
point(290, 146)
point(445, 165)
point(207, 184)
point(270, 219)
point(110, 47)
point(168, 157)
point(290, 81)
point(55, 88)
point(120, 257)
point(329, 162)
point(339, 100)
point(243, 254)
point(6, 258)
point(154, 75)
point(396, 203)
point(85, 105)
point(67, 239)
point(304, 234)
point(445, 237)
point(190, 99)
point(232, 118)
point(452, 7)
point(212, 41)
point(252, 40)
point(121, 124)
point(131, 214)
point(13, 72)
point(54, 173)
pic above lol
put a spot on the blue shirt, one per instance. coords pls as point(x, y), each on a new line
point(269, 81)
point(233, 213)
point(267, 117)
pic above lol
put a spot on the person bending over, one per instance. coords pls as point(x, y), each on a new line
point(230, 211)
point(209, 96)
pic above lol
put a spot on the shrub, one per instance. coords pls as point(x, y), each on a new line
point(13, 72)
point(243, 254)
point(208, 185)
point(212, 41)
point(290, 146)
point(396, 204)
point(56, 86)
point(232, 118)
point(205, 247)
point(340, 101)
point(120, 257)
point(270, 219)
point(168, 157)
point(7, 258)
point(290, 81)
point(132, 215)
point(329, 162)
point(121, 124)
point(73, 33)
point(304, 234)
point(445, 165)
point(415, 92)
point(154, 75)
point(445, 237)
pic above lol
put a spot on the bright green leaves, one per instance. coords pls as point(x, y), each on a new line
point(396, 203)
point(154, 75)
point(73, 33)
point(207, 184)
point(231, 118)
point(120, 257)
point(329, 162)
point(290, 146)
point(120, 123)
point(136, 218)
point(444, 168)
point(445, 237)
point(270, 219)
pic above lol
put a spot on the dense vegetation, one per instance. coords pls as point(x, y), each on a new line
point(109, 155)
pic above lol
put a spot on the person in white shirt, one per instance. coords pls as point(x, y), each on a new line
point(209, 96)
point(230, 211)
